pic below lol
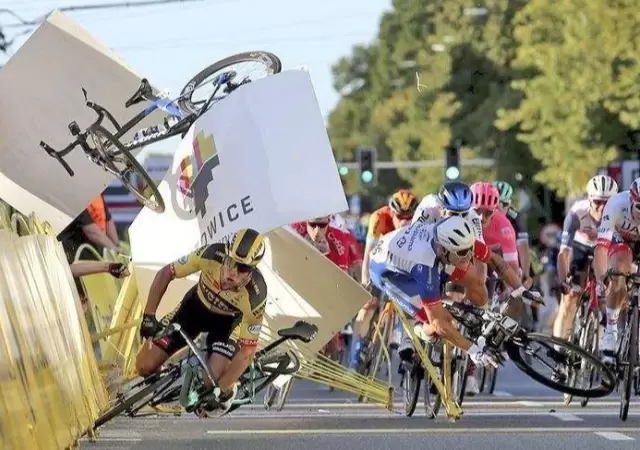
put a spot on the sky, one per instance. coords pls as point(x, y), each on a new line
point(168, 44)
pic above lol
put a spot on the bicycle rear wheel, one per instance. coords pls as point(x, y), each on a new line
point(269, 63)
point(565, 355)
point(460, 371)
point(413, 378)
point(121, 163)
point(432, 399)
point(630, 361)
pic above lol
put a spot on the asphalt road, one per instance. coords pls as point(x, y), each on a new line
point(520, 415)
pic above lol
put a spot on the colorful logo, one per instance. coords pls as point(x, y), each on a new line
point(196, 170)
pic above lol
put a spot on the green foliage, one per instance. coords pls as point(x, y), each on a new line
point(545, 88)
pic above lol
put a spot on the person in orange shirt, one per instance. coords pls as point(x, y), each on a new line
point(396, 214)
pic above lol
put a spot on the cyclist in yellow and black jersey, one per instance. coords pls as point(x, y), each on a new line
point(230, 295)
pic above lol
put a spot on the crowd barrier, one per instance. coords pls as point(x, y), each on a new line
point(50, 386)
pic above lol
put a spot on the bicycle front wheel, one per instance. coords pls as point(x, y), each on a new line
point(413, 378)
point(121, 163)
point(527, 348)
point(629, 362)
point(266, 63)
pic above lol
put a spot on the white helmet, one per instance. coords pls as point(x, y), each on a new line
point(455, 233)
point(602, 187)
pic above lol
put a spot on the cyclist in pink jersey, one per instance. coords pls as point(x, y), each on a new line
point(498, 232)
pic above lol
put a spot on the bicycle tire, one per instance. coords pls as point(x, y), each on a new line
point(100, 136)
point(272, 62)
point(269, 396)
point(413, 379)
point(513, 350)
point(460, 373)
point(483, 378)
point(591, 339)
point(575, 338)
point(135, 399)
point(493, 373)
point(431, 406)
point(632, 361)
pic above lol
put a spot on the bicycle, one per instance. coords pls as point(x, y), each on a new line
point(627, 365)
point(500, 331)
point(585, 333)
point(184, 380)
point(106, 149)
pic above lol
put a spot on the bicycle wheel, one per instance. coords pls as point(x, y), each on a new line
point(629, 361)
point(589, 341)
point(270, 396)
point(492, 376)
point(565, 355)
point(482, 375)
point(413, 379)
point(459, 369)
point(119, 161)
point(432, 399)
point(270, 64)
point(140, 397)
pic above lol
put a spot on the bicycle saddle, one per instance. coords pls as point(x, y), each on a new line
point(300, 330)
point(144, 91)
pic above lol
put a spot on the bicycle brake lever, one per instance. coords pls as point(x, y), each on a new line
point(84, 93)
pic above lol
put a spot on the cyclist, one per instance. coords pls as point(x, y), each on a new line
point(456, 199)
point(230, 294)
point(337, 221)
point(406, 266)
point(520, 227)
point(616, 247)
point(396, 214)
point(576, 248)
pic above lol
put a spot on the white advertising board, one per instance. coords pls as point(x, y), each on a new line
point(40, 94)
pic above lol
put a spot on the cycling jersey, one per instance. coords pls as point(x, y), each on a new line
point(618, 221)
point(517, 222)
point(430, 211)
point(340, 249)
point(579, 226)
point(247, 303)
point(500, 235)
point(404, 264)
point(380, 223)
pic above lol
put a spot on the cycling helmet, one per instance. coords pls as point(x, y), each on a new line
point(246, 247)
point(455, 233)
point(505, 190)
point(602, 187)
point(403, 202)
point(455, 196)
point(485, 195)
point(634, 190)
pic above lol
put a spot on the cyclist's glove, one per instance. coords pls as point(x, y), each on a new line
point(118, 270)
point(149, 326)
point(482, 358)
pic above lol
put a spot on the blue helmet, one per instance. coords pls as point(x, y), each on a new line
point(455, 196)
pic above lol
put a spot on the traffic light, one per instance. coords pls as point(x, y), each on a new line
point(343, 171)
point(452, 162)
point(367, 163)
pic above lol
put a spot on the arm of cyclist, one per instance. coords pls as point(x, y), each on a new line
point(355, 258)
point(569, 229)
point(522, 242)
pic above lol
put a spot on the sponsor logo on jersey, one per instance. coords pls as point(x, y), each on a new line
point(183, 260)
point(255, 329)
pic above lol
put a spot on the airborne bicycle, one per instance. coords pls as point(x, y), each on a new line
point(107, 149)
point(184, 381)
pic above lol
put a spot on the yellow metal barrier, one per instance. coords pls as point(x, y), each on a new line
point(48, 375)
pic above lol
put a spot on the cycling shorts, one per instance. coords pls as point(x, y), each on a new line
point(580, 263)
point(409, 291)
point(195, 318)
point(619, 244)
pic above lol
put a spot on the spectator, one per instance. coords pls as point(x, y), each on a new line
point(94, 226)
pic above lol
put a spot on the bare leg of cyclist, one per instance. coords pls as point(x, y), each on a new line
point(620, 259)
point(149, 359)
point(563, 323)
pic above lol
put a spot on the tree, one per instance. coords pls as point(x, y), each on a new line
point(583, 101)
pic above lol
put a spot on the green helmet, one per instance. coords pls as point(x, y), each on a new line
point(505, 190)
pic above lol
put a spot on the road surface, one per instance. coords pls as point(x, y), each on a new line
point(520, 415)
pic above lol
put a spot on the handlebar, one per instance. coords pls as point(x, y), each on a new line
point(529, 299)
point(52, 152)
point(633, 277)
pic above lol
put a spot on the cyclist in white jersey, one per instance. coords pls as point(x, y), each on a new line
point(407, 264)
point(578, 240)
point(616, 247)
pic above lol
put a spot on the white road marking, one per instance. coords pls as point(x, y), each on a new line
point(614, 436)
point(501, 394)
point(566, 417)
point(529, 403)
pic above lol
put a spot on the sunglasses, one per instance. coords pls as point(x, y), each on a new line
point(505, 204)
point(485, 212)
point(599, 202)
point(462, 214)
point(241, 268)
point(464, 253)
point(404, 216)
point(318, 224)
